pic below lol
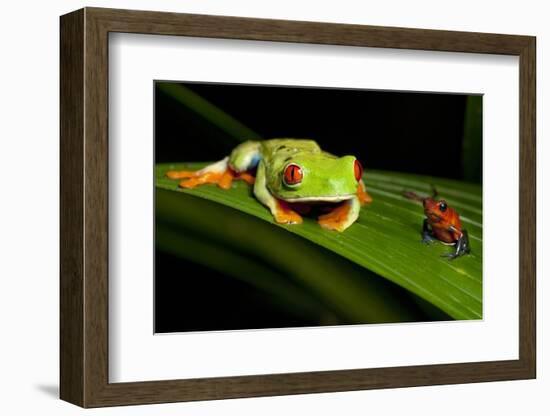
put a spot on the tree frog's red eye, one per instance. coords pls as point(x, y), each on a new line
point(358, 170)
point(293, 174)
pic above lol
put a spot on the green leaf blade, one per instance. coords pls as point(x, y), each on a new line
point(385, 240)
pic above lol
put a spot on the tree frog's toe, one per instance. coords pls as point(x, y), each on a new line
point(340, 217)
point(202, 179)
point(180, 174)
point(247, 177)
point(362, 194)
point(288, 218)
point(226, 179)
point(286, 215)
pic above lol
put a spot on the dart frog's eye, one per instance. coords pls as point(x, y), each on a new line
point(293, 175)
point(358, 170)
point(443, 206)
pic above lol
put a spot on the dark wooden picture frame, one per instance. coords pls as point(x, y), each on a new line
point(84, 207)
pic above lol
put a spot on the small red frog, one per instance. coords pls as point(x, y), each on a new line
point(442, 223)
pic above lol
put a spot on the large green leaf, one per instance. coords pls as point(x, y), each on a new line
point(296, 274)
point(385, 240)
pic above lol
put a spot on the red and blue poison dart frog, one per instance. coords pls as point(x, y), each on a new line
point(442, 223)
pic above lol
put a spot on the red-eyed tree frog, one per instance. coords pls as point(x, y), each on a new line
point(292, 176)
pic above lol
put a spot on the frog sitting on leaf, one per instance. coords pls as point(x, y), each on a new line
point(292, 177)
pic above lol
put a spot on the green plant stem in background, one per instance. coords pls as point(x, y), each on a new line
point(181, 242)
point(231, 126)
point(473, 143)
point(384, 242)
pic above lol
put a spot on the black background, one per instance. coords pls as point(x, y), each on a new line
point(410, 132)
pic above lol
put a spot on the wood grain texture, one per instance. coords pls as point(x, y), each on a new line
point(96, 218)
point(527, 208)
point(84, 206)
point(71, 213)
point(225, 27)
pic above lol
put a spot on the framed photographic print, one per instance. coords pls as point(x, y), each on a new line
point(255, 207)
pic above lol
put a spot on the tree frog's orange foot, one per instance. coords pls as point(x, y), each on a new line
point(223, 178)
point(285, 215)
point(205, 178)
point(180, 174)
point(226, 179)
point(337, 219)
point(362, 194)
point(247, 177)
